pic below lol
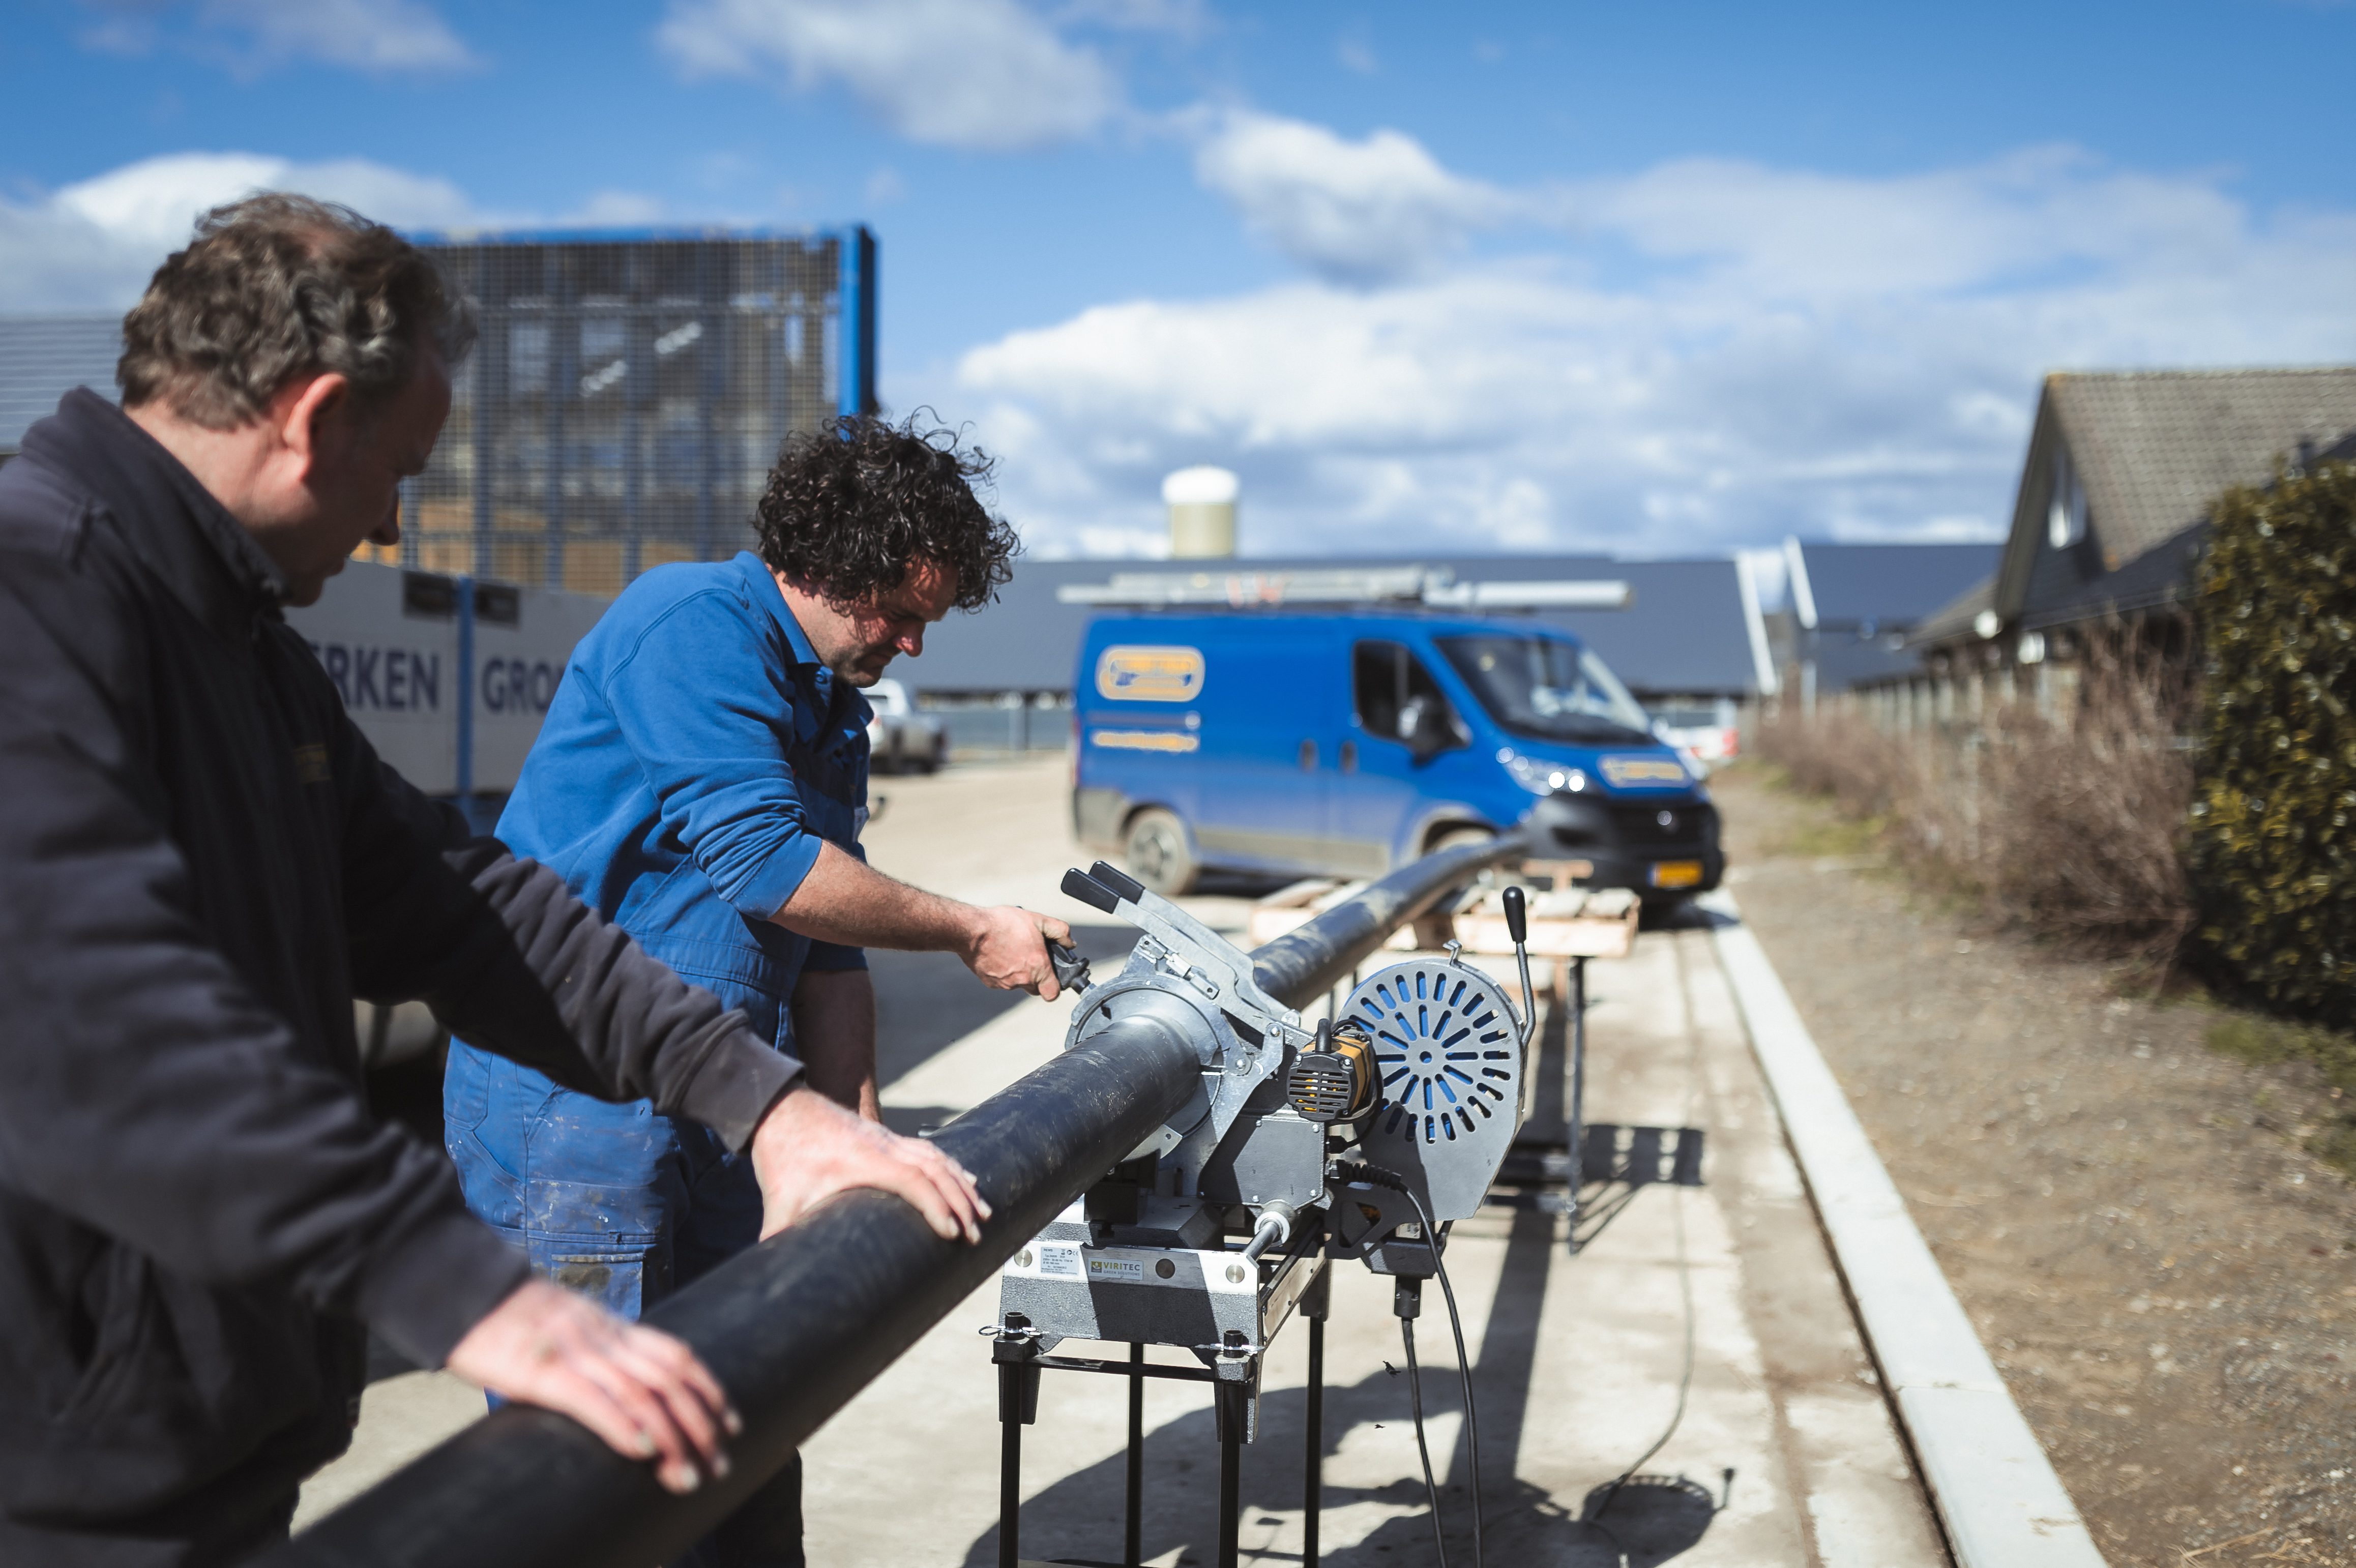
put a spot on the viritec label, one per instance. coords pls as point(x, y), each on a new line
point(1122, 1271)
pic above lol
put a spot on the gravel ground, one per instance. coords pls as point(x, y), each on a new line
point(2166, 1279)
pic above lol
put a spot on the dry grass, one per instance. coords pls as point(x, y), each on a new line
point(2072, 824)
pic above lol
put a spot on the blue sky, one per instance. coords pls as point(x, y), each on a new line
point(1667, 280)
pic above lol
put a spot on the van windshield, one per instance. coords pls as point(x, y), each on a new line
point(1547, 689)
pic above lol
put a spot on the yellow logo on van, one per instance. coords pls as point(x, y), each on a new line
point(1172, 741)
point(1136, 673)
point(1623, 770)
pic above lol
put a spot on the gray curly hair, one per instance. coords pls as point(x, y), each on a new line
point(278, 287)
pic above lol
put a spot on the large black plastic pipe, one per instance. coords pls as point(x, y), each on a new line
point(798, 1325)
point(1307, 962)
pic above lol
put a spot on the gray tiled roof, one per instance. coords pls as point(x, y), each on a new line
point(43, 357)
point(1954, 618)
point(2154, 447)
point(1892, 585)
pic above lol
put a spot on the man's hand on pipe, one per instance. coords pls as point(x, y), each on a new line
point(638, 1387)
point(1007, 947)
point(808, 1149)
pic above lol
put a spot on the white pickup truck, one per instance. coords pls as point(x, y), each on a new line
point(901, 736)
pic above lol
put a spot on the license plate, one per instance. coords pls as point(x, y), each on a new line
point(1676, 873)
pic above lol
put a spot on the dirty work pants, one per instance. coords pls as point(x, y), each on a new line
point(624, 1206)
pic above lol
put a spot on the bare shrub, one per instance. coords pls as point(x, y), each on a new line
point(2071, 823)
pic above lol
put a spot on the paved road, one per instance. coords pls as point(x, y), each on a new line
point(1784, 1453)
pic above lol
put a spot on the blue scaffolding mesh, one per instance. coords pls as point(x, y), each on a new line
point(628, 394)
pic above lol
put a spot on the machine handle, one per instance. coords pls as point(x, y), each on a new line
point(1517, 916)
point(1071, 969)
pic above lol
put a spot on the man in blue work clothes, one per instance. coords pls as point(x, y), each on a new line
point(701, 781)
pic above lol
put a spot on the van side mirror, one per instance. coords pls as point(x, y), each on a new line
point(1424, 726)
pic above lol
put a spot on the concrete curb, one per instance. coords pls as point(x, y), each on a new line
point(1996, 1492)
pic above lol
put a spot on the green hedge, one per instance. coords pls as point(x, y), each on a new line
point(2272, 845)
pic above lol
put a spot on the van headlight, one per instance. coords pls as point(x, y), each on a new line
point(1542, 778)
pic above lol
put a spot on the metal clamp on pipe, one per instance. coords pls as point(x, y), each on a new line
point(795, 1327)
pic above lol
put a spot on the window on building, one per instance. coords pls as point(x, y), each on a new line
point(2065, 517)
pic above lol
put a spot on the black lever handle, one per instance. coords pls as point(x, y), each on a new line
point(1071, 969)
point(1517, 916)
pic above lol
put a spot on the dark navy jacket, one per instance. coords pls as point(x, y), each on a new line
point(201, 863)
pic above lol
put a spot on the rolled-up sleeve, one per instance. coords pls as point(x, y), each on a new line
point(716, 760)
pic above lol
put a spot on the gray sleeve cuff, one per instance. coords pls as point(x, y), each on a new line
point(736, 1084)
point(426, 1291)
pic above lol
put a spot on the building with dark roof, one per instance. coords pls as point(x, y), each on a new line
point(2122, 469)
point(1854, 605)
point(621, 407)
point(43, 357)
point(2108, 527)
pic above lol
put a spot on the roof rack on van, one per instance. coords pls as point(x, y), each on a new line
point(1437, 587)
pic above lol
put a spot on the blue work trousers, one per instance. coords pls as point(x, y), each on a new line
point(624, 1206)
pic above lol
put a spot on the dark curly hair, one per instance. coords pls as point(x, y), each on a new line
point(852, 504)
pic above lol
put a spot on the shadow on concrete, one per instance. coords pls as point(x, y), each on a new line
point(927, 1002)
point(1080, 1516)
point(1649, 1519)
point(1078, 1519)
point(1677, 914)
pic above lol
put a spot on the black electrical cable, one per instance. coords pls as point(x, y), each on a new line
point(1685, 1379)
point(1375, 1176)
point(1685, 1287)
point(1415, 1398)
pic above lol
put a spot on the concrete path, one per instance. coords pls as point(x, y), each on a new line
point(1783, 1452)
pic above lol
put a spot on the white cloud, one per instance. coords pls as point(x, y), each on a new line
point(1358, 212)
point(1725, 354)
point(376, 36)
point(986, 74)
point(380, 37)
point(92, 245)
point(156, 201)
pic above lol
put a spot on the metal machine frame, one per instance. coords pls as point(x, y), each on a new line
point(1144, 1257)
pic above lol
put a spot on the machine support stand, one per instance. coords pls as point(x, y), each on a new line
point(1018, 1406)
point(1234, 1409)
point(1315, 1304)
point(1132, 1540)
point(1578, 1129)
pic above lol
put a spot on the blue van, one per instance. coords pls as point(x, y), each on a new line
point(1350, 741)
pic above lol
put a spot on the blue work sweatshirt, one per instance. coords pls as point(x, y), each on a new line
point(696, 755)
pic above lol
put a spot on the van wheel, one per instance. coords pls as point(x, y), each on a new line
point(936, 757)
point(1158, 855)
point(1456, 838)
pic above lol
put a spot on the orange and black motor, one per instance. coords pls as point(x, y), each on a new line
point(1335, 1083)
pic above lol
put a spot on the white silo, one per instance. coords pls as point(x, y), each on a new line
point(1202, 503)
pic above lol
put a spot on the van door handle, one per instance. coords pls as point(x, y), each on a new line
point(1349, 756)
point(1308, 756)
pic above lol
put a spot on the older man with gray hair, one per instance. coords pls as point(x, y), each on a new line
point(201, 864)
